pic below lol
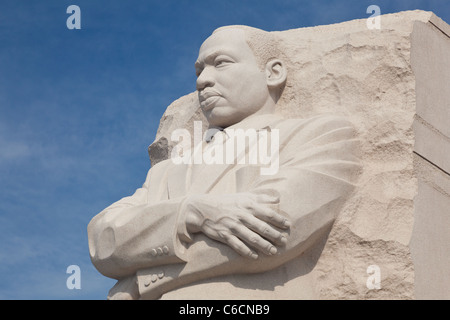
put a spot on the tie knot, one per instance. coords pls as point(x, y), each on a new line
point(211, 133)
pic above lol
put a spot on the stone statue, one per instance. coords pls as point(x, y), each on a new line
point(349, 197)
point(192, 221)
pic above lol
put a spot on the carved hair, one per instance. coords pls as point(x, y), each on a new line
point(265, 45)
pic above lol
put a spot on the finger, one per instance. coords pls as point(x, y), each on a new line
point(229, 239)
point(265, 198)
point(265, 230)
point(271, 216)
point(253, 239)
point(240, 247)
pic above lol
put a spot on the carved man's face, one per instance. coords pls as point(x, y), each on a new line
point(230, 84)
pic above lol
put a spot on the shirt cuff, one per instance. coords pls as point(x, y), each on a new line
point(181, 230)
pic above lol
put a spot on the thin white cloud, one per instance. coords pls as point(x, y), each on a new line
point(13, 150)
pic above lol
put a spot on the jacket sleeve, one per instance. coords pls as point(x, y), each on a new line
point(319, 166)
point(132, 234)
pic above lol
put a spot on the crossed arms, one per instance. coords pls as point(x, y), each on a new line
point(204, 235)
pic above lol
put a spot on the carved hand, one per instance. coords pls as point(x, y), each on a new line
point(243, 221)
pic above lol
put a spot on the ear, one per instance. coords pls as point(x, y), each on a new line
point(276, 73)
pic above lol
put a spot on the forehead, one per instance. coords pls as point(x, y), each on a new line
point(228, 41)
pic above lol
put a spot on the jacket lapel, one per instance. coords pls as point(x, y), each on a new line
point(204, 176)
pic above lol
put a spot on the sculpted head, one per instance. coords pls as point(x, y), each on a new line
point(239, 74)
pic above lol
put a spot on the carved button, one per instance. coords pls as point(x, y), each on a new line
point(147, 282)
point(161, 275)
point(160, 251)
point(154, 252)
point(166, 249)
point(154, 277)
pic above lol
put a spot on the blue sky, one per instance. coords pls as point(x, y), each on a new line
point(78, 109)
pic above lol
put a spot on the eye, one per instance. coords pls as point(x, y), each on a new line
point(222, 61)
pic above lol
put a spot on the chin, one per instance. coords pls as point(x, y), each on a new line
point(221, 123)
point(221, 117)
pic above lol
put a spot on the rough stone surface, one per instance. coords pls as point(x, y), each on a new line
point(369, 77)
point(180, 114)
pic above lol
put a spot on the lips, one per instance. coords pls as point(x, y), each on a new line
point(208, 98)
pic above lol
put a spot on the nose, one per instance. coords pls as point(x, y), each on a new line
point(205, 79)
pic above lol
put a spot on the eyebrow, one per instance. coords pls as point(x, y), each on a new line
point(212, 55)
point(198, 64)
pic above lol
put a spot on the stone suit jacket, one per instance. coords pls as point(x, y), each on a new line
point(138, 237)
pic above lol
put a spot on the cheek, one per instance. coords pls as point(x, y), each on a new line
point(254, 92)
point(248, 86)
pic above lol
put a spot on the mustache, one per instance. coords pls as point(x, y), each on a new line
point(208, 93)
